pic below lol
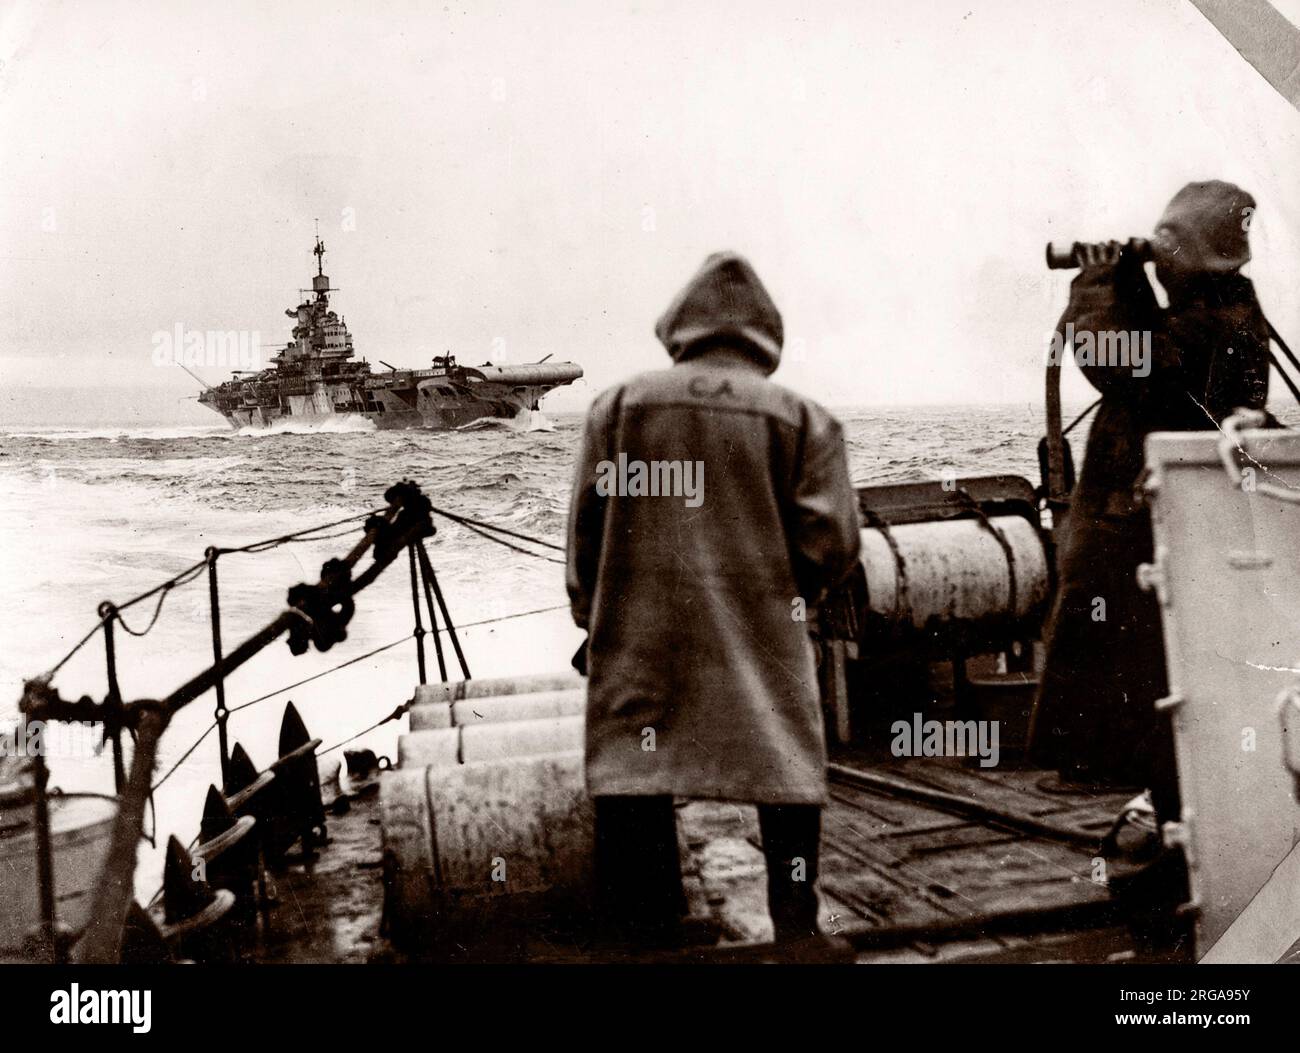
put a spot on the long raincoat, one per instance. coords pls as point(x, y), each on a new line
point(702, 678)
point(1095, 715)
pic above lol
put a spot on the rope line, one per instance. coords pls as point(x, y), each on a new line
point(507, 617)
point(468, 521)
point(183, 758)
point(317, 676)
point(396, 714)
point(1080, 417)
point(343, 665)
point(510, 544)
point(191, 572)
point(162, 598)
point(300, 535)
point(183, 578)
point(80, 644)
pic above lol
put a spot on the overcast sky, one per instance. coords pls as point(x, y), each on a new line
point(532, 179)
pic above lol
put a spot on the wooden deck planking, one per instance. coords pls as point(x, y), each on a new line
point(888, 860)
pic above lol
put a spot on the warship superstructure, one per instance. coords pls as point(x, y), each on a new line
point(315, 377)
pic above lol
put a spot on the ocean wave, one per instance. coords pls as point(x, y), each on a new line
point(524, 421)
point(116, 434)
point(340, 424)
point(531, 421)
point(494, 483)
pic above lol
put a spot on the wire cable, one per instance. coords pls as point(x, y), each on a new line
point(468, 521)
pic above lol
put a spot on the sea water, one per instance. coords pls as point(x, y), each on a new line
point(103, 513)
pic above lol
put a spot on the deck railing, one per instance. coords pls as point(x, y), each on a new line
point(315, 615)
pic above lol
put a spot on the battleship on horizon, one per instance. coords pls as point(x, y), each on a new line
point(315, 376)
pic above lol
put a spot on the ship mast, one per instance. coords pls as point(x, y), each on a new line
point(320, 283)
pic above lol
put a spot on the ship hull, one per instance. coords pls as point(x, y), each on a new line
point(390, 410)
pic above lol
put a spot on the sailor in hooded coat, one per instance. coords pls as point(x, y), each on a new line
point(1095, 715)
point(695, 588)
point(693, 602)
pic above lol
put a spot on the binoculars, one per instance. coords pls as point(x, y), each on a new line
point(1064, 256)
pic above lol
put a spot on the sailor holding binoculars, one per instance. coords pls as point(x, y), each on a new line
point(1210, 355)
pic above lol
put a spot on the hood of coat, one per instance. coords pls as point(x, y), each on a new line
point(724, 304)
point(1204, 229)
